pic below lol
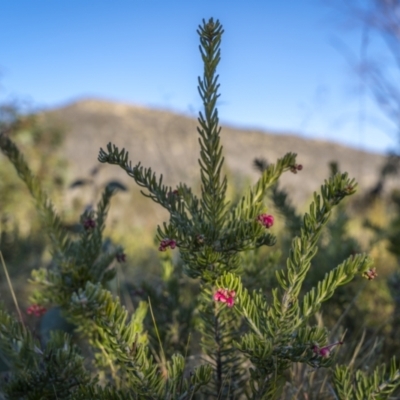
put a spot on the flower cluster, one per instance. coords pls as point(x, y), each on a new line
point(325, 352)
point(296, 167)
point(167, 243)
point(89, 223)
point(35, 309)
point(266, 219)
point(225, 296)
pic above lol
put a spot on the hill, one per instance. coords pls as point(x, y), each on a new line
point(168, 142)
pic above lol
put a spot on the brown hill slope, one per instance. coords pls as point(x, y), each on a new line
point(168, 143)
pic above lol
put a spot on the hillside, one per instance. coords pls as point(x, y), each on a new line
point(168, 143)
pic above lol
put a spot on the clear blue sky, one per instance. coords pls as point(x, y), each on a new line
point(279, 71)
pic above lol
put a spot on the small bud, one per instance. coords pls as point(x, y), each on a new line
point(349, 189)
point(165, 243)
point(138, 292)
point(89, 223)
point(325, 352)
point(370, 274)
point(121, 257)
point(36, 309)
point(200, 239)
point(296, 167)
point(266, 219)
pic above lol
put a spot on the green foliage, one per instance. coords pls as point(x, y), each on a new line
point(79, 270)
point(249, 338)
point(37, 373)
point(174, 305)
point(358, 385)
point(76, 261)
point(22, 242)
point(41, 142)
point(45, 207)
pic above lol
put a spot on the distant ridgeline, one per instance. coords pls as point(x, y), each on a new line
point(168, 142)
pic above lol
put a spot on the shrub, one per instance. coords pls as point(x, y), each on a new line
point(248, 344)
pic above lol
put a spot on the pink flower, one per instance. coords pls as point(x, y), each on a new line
point(165, 243)
point(225, 296)
point(324, 352)
point(36, 309)
point(266, 219)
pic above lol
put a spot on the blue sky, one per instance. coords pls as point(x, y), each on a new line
point(282, 67)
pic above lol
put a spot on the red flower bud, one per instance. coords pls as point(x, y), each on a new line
point(324, 352)
point(165, 243)
point(36, 309)
point(266, 219)
point(121, 257)
point(89, 223)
